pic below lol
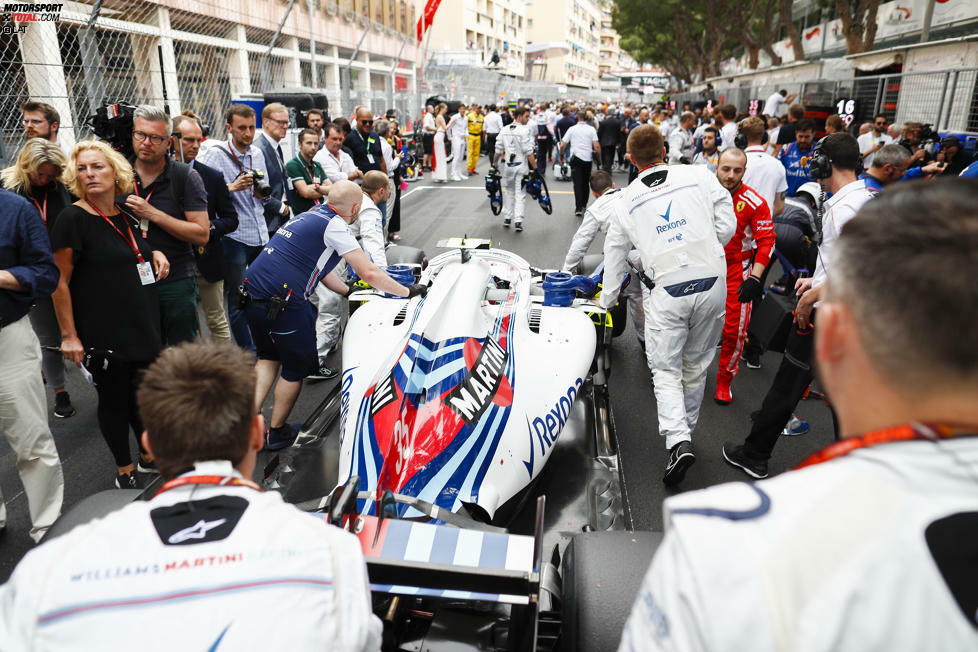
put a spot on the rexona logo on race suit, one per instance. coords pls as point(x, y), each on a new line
point(470, 398)
point(546, 428)
point(669, 226)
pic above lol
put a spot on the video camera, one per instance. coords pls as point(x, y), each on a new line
point(928, 139)
point(113, 124)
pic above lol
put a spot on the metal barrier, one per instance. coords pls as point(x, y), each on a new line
point(948, 100)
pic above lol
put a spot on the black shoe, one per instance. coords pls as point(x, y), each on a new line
point(279, 438)
point(146, 467)
point(680, 459)
point(578, 214)
point(323, 373)
point(519, 227)
point(507, 222)
point(126, 481)
point(753, 359)
point(62, 405)
point(735, 455)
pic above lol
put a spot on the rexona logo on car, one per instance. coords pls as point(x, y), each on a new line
point(470, 398)
point(547, 428)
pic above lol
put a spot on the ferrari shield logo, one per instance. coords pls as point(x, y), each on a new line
point(740, 206)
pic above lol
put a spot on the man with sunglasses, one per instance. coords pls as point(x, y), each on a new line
point(170, 204)
point(873, 140)
point(364, 144)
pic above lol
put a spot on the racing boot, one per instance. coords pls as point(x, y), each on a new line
point(723, 396)
point(519, 226)
point(680, 459)
point(507, 222)
point(279, 438)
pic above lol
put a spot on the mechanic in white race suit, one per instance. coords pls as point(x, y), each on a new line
point(514, 150)
point(679, 218)
point(596, 219)
point(209, 563)
point(869, 544)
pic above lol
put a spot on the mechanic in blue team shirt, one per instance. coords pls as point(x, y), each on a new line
point(795, 156)
point(278, 285)
point(889, 164)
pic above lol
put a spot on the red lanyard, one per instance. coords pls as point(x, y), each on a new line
point(135, 187)
point(43, 210)
point(906, 432)
point(218, 480)
point(131, 240)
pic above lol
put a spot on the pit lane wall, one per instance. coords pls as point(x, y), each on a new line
point(79, 55)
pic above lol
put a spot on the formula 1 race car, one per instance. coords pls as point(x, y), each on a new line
point(476, 459)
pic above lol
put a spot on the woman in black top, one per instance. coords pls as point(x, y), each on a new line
point(37, 176)
point(106, 300)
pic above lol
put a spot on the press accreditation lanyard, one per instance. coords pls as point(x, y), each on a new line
point(143, 223)
point(42, 208)
point(143, 268)
point(906, 432)
point(216, 480)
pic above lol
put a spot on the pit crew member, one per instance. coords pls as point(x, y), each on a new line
point(476, 121)
point(211, 560)
point(860, 547)
point(710, 154)
point(745, 264)
point(514, 149)
point(300, 255)
point(596, 219)
point(681, 142)
point(679, 218)
point(795, 374)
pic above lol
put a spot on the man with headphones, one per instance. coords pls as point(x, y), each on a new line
point(834, 163)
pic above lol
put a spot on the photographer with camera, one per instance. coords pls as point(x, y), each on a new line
point(169, 201)
point(953, 155)
point(278, 285)
point(244, 170)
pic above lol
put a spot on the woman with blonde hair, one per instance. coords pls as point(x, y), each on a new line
point(440, 171)
point(36, 176)
point(106, 299)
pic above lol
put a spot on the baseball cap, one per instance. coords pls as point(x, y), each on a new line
point(950, 141)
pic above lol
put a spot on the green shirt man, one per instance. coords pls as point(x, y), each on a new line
point(308, 178)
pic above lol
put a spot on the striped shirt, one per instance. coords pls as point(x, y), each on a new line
point(252, 229)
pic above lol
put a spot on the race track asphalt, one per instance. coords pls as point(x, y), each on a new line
point(431, 212)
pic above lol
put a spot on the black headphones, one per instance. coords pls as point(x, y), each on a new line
point(819, 163)
point(740, 140)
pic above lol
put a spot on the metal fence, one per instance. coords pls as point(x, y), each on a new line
point(204, 53)
point(948, 100)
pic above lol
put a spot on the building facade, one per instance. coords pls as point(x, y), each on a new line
point(576, 23)
point(611, 56)
point(211, 51)
point(473, 30)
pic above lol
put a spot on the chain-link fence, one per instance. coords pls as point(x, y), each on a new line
point(948, 100)
point(196, 55)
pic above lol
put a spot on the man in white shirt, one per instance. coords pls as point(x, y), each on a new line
point(873, 528)
point(582, 142)
point(849, 193)
point(492, 125)
point(336, 163)
point(774, 102)
point(679, 217)
point(764, 173)
point(211, 559)
point(458, 132)
point(681, 143)
point(728, 132)
point(369, 227)
point(873, 140)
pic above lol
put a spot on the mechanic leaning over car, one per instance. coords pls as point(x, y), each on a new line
point(211, 561)
point(596, 218)
point(278, 285)
point(868, 544)
point(679, 218)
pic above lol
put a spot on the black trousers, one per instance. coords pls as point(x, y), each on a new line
point(607, 157)
point(580, 175)
point(544, 147)
point(621, 153)
point(395, 223)
point(116, 382)
point(490, 148)
point(794, 375)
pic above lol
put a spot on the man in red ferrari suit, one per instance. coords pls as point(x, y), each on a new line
point(745, 264)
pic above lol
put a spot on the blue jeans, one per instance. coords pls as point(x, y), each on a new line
point(237, 257)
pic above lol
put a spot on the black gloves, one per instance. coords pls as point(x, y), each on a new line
point(417, 290)
point(750, 289)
